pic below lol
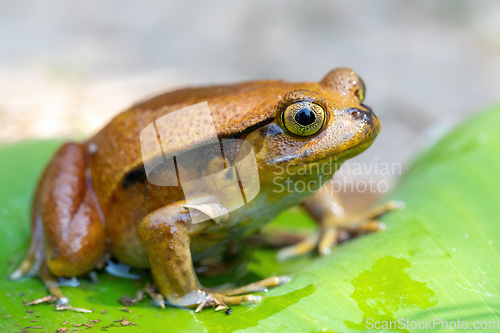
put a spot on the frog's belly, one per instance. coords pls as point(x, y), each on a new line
point(125, 211)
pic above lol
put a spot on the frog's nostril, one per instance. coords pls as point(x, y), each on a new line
point(356, 114)
point(362, 115)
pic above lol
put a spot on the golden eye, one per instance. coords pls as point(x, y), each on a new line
point(361, 91)
point(303, 118)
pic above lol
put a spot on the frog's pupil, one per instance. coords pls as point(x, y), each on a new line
point(305, 117)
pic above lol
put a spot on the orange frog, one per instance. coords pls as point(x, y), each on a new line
point(95, 198)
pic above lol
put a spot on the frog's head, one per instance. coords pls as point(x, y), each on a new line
point(318, 122)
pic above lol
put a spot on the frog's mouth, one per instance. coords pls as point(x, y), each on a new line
point(299, 160)
point(354, 150)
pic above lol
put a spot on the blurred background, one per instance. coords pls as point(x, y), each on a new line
point(66, 68)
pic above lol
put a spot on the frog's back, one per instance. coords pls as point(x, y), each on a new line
point(116, 150)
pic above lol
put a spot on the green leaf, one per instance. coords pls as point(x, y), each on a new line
point(438, 258)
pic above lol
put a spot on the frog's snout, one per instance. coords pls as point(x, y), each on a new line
point(366, 115)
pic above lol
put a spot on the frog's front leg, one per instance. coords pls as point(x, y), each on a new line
point(166, 234)
point(326, 208)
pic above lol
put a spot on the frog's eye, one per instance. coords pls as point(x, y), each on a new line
point(360, 91)
point(303, 118)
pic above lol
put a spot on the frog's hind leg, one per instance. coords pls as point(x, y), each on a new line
point(34, 258)
point(30, 266)
point(68, 236)
point(34, 264)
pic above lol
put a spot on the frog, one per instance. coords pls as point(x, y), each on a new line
point(95, 200)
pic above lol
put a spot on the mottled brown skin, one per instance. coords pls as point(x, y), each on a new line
point(146, 225)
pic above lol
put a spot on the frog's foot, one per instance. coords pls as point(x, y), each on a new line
point(52, 285)
point(222, 298)
point(55, 297)
point(335, 230)
point(222, 301)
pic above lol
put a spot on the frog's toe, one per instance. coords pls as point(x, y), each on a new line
point(261, 285)
point(368, 220)
point(323, 240)
point(222, 301)
point(328, 240)
point(367, 227)
point(301, 248)
point(233, 300)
